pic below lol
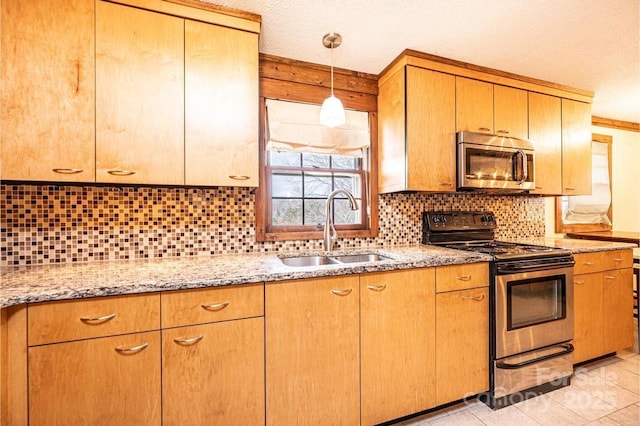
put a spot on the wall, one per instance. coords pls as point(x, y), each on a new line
point(625, 182)
point(45, 224)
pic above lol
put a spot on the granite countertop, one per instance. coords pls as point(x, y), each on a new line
point(30, 284)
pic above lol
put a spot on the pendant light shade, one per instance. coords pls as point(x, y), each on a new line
point(332, 112)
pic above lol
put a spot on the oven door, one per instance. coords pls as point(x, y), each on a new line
point(533, 310)
point(495, 167)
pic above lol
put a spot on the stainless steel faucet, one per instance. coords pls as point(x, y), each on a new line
point(330, 234)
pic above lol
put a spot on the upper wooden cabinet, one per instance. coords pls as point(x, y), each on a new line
point(48, 98)
point(139, 96)
point(474, 106)
point(417, 147)
point(545, 131)
point(221, 106)
point(490, 108)
point(576, 147)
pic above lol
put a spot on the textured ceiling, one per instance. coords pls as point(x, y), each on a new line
point(587, 44)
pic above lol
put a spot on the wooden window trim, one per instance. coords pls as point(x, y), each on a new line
point(292, 80)
point(560, 227)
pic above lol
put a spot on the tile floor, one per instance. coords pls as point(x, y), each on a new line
point(606, 392)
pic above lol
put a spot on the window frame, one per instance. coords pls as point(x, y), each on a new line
point(369, 228)
point(560, 227)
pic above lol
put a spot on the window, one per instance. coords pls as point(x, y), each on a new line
point(303, 163)
point(590, 212)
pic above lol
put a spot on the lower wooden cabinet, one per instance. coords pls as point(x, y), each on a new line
point(397, 343)
point(617, 305)
point(462, 349)
point(106, 381)
point(587, 317)
point(313, 351)
point(213, 374)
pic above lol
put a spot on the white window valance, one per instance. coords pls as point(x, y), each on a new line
point(294, 127)
point(594, 208)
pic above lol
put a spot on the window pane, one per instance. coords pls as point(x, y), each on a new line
point(291, 159)
point(316, 160)
point(343, 214)
point(287, 185)
point(343, 162)
point(349, 182)
point(286, 212)
point(317, 184)
point(314, 212)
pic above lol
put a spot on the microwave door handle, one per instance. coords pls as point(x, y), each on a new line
point(525, 171)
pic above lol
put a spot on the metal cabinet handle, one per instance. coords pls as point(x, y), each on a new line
point(578, 281)
point(342, 292)
point(131, 350)
point(475, 298)
point(121, 172)
point(239, 177)
point(539, 187)
point(188, 342)
point(484, 129)
point(216, 306)
point(506, 132)
point(610, 277)
point(97, 320)
point(588, 263)
point(377, 287)
point(464, 277)
point(447, 184)
point(68, 171)
point(569, 189)
point(617, 259)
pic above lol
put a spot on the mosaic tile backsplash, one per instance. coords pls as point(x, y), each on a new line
point(44, 224)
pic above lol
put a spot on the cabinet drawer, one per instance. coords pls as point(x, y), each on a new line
point(602, 261)
point(190, 307)
point(52, 322)
point(459, 277)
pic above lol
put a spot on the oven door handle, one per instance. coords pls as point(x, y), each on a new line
point(516, 267)
point(568, 348)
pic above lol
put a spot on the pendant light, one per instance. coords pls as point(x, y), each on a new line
point(332, 111)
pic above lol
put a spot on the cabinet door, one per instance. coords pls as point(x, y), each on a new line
point(214, 374)
point(474, 106)
point(221, 106)
point(88, 382)
point(618, 309)
point(576, 148)
point(312, 351)
point(588, 317)
point(511, 116)
point(431, 142)
point(397, 344)
point(48, 95)
point(462, 350)
point(545, 131)
point(139, 96)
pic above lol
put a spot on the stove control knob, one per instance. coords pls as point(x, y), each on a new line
point(435, 219)
point(443, 219)
point(483, 218)
point(490, 218)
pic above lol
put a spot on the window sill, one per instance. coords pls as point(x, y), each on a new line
point(315, 235)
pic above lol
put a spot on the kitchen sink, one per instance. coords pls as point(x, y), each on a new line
point(299, 261)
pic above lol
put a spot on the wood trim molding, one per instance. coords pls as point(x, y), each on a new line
point(225, 10)
point(615, 124)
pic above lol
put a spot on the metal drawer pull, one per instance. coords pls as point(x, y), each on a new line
point(188, 342)
point(464, 277)
point(617, 259)
point(121, 172)
point(503, 131)
point(68, 171)
point(484, 129)
point(97, 320)
point(342, 292)
point(216, 306)
point(131, 350)
point(588, 263)
point(446, 184)
point(475, 298)
point(570, 189)
point(239, 177)
point(610, 277)
point(377, 287)
point(578, 282)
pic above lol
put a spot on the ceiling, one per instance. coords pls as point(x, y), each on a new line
point(587, 44)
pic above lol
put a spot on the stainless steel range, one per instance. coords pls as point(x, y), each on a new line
point(531, 306)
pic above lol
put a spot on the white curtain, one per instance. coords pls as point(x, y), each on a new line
point(294, 127)
point(594, 208)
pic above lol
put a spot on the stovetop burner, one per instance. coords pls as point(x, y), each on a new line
point(474, 231)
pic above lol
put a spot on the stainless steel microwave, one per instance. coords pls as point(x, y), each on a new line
point(494, 163)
